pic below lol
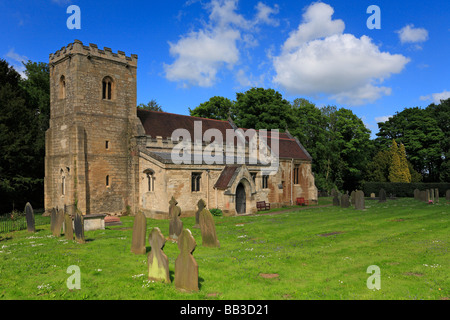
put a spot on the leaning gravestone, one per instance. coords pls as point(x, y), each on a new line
point(78, 224)
point(359, 200)
point(208, 228)
point(139, 233)
point(30, 217)
point(345, 201)
point(157, 261)
point(447, 195)
point(201, 204)
point(416, 194)
point(382, 195)
point(336, 201)
point(186, 268)
point(175, 225)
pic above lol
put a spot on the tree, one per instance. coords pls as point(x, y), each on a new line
point(398, 170)
point(378, 168)
point(218, 108)
point(260, 108)
point(151, 106)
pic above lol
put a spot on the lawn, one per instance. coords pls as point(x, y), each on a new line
point(313, 253)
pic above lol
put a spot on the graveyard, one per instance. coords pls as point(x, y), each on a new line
point(309, 252)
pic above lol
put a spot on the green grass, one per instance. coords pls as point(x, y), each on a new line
point(408, 240)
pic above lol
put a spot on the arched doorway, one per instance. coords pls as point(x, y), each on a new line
point(240, 199)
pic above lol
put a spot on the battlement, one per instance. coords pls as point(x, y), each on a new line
point(92, 51)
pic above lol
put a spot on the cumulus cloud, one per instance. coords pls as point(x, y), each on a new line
point(382, 118)
point(17, 61)
point(318, 58)
point(200, 55)
point(409, 34)
point(436, 97)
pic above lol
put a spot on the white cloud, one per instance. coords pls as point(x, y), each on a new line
point(17, 61)
point(318, 58)
point(436, 97)
point(382, 118)
point(409, 34)
point(200, 55)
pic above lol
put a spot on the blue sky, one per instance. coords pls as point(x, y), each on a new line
point(192, 50)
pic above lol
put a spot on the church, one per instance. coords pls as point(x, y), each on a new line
point(103, 155)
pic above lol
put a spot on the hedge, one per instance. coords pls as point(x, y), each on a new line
point(404, 189)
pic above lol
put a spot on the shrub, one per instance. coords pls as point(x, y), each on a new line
point(216, 212)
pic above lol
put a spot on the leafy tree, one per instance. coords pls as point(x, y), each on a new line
point(398, 170)
point(151, 106)
point(218, 108)
point(261, 108)
point(378, 168)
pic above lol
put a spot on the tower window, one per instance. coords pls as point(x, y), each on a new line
point(106, 144)
point(62, 87)
point(107, 181)
point(107, 88)
point(63, 185)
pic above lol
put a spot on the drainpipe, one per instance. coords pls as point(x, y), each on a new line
point(207, 189)
point(292, 179)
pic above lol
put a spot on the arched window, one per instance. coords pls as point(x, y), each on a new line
point(107, 88)
point(150, 179)
point(62, 87)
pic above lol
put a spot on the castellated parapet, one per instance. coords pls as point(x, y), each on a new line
point(92, 51)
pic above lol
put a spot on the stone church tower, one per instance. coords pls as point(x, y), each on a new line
point(91, 160)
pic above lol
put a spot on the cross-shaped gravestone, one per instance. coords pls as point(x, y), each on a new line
point(175, 224)
point(172, 205)
point(201, 204)
point(30, 217)
point(78, 224)
point(208, 228)
point(158, 264)
point(139, 233)
point(186, 268)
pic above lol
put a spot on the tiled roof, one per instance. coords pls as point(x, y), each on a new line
point(157, 123)
point(225, 177)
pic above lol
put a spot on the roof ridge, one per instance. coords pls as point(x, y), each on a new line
point(183, 115)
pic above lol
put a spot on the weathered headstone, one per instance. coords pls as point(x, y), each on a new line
point(372, 195)
point(416, 194)
point(336, 201)
point(172, 205)
point(139, 234)
point(53, 218)
point(186, 268)
point(175, 225)
point(334, 192)
point(58, 223)
point(78, 224)
point(208, 228)
point(352, 197)
point(432, 195)
point(157, 261)
point(382, 195)
point(428, 195)
point(423, 195)
point(447, 195)
point(359, 200)
point(68, 227)
point(345, 201)
point(201, 204)
point(436, 194)
point(30, 217)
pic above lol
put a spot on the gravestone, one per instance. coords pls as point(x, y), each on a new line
point(382, 195)
point(436, 195)
point(201, 204)
point(416, 194)
point(372, 195)
point(428, 195)
point(334, 192)
point(53, 218)
point(172, 205)
point(175, 225)
point(423, 195)
point(345, 201)
point(186, 268)
point(78, 226)
point(336, 201)
point(139, 233)
point(68, 227)
point(157, 261)
point(58, 222)
point(30, 217)
point(447, 195)
point(359, 200)
point(352, 197)
point(208, 229)
point(432, 195)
